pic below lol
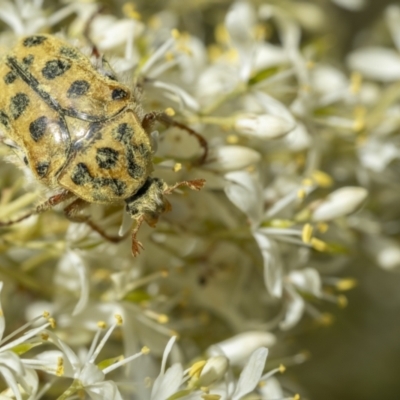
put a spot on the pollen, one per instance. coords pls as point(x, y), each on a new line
point(318, 244)
point(282, 368)
point(118, 319)
point(326, 319)
point(232, 139)
point(60, 367)
point(162, 319)
point(342, 301)
point(307, 182)
point(101, 324)
point(322, 179)
point(130, 11)
point(177, 167)
point(145, 350)
point(322, 227)
point(346, 284)
point(175, 33)
point(301, 194)
point(306, 234)
point(170, 111)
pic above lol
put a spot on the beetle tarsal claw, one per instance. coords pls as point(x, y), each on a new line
point(136, 246)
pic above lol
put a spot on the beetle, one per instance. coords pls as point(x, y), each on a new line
point(82, 133)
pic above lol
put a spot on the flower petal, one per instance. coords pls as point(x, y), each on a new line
point(104, 390)
point(251, 374)
point(245, 192)
point(294, 309)
point(377, 63)
point(273, 268)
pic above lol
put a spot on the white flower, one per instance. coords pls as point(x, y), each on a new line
point(86, 374)
point(15, 372)
point(27, 17)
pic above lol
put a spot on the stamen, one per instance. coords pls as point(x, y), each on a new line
point(20, 329)
point(124, 361)
point(103, 342)
point(101, 325)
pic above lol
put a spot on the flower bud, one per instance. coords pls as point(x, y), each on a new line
point(238, 348)
point(213, 370)
point(232, 158)
point(339, 203)
point(263, 126)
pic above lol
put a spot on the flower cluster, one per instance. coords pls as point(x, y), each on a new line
point(296, 147)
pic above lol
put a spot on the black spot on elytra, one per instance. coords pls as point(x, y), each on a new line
point(69, 52)
point(134, 170)
point(42, 168)
point(106, 157)
point(4, 120)
point(32, 41)
point(55, 68)
point(37, 128)
point(118, 94)
point(28, 60)
point(123, 133)
point(142, 149)
point(78, 88)
point(81, 175)
point(18, 104)
point(25, 160)
point(9, 78)
point(117, 186)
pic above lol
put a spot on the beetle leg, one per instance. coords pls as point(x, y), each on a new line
point(195, 184)
point(136, 245)
point(150, 118)
point(47, 205)
point(71, 212)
